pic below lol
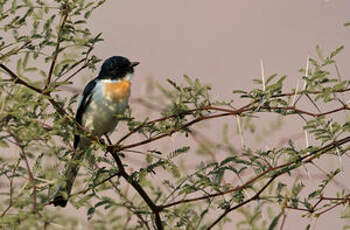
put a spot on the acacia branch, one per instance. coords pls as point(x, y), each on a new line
point(17, 80)
point(229, 112)
point(29, 171)
point(155, 209)
point(293, 164)
point(76, 72)
point(283, 221)
point(339, 201)
point(109, 179)
point(58, 43)
point(308, 92)
point(14, 51)
point(255, 197)
point(11, 189)
point(31, 178)
point(181, 114)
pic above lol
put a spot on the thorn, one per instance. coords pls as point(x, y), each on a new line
point(318, 109)
point(296, 93)
point(306, 138)
point(306, 71)
point(307, 172)
point(302, 117)
point(341, 166)
point(337, 151)
point(172, 140)
point(240, 132)
point(262, 74)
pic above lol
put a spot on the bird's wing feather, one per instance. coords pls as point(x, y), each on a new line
point(84, 102)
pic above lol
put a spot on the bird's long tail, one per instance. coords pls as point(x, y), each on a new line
point(63, 191)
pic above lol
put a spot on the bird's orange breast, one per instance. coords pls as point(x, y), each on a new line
point(117, 90)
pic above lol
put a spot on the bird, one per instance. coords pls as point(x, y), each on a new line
point(103, 99)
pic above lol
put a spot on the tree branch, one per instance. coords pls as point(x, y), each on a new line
point(305, 159)
point(58, 43)
point(155, 209)
point(18, 80)
point(229, 112)
point(255, 197)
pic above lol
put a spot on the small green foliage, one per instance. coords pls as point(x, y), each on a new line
point(274, 222)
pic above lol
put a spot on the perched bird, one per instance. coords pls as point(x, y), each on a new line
point(103, 99)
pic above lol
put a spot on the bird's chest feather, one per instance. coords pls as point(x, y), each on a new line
point(110, 98)
point(117, 90)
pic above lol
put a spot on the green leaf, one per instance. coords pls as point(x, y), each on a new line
point(239, 91)
point(319, 53)
point(271, 78)
point(274, 222)
point(25, 60)
point(334, 53)
point(188, 79)
point(90, 212)
point(19, 66)
point(4, 144)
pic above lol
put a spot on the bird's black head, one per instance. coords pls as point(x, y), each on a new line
point(116, 67)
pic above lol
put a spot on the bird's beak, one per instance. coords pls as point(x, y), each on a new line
point(133, 64)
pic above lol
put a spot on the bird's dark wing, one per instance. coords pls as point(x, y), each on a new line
point(85, 101)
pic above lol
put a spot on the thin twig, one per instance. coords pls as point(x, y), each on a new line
point(203, 142)
point(58, 43)
point(298, 209)
point(18, 80)
point(328, 209)
point(75, 73)
point(296, 93)
point(11, 189)
point(255, 197)
point(306, 71)
point(31, 178)
point(283, 221)
point(240, 132)
point(262, 74)
point(15, 51)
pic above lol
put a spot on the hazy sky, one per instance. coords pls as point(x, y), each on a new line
point(221, 41)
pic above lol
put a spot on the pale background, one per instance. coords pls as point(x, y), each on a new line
point(221, 42)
